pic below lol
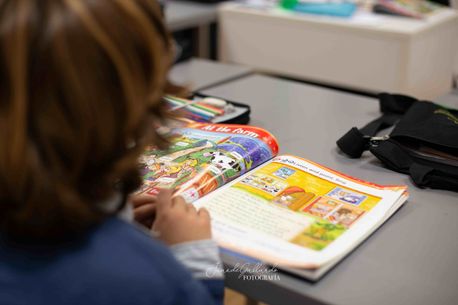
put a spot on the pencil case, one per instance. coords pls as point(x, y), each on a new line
point(240, 115)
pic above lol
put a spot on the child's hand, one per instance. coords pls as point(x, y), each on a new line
point(144, 209)
point(178, 222)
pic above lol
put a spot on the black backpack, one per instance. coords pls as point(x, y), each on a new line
point(423, 143)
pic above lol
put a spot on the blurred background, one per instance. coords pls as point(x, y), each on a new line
point(364, 47)
point(404, 46)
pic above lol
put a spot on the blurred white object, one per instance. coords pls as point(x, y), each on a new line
point(366, 52)
point(215, 102)
point(259, 3)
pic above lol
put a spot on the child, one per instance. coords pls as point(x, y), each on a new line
point(80, 89)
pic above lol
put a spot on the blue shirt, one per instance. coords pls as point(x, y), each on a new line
point(115, 264)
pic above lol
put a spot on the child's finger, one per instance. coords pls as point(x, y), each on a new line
point(164, 200)
point(179, 203)
point(139, 200)
point(203, 212)
point(191, 209)
point(145, 211)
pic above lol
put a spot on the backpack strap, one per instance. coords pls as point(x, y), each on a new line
point(393, 107)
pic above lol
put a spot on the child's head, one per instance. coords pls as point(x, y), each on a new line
point(80, 87)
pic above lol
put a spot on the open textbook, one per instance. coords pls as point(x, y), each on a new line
point(281, 209)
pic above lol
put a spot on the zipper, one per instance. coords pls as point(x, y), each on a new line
point(375, 141)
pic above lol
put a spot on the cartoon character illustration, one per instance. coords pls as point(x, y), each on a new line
point(265, 183)
point(167, 173)
point(155, 169)
point(345, 216)
point(321, 207)
point(284, 172)
point(187, 169)
point(293, 197)
point(272, 189)
point(222, 161)
point(203, 184)
point(347, 196)
point(199, 161)
point(319, 235)
point(201, 145)
point(267, 179)
point(253, 151)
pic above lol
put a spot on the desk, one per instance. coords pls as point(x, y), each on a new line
point(411, 259)
point(201, 73)
point(180, 15)
point(367, 52)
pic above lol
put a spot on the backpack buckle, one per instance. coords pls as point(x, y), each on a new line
point(375, 141)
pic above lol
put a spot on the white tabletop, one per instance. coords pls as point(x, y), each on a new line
point(411, 259)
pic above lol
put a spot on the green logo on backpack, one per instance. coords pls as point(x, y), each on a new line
point(448, 114)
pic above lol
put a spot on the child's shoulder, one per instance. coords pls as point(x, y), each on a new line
point(122, 249)
point(129, 261)
point(116, 264)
